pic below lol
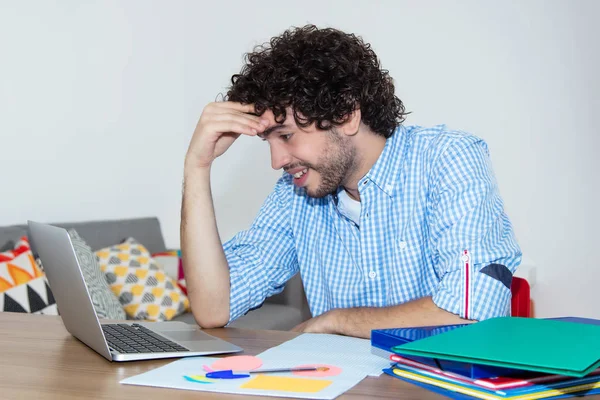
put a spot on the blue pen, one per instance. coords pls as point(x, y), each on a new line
point(230, 374)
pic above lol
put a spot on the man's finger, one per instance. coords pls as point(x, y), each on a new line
point(233, 127)
point(245, 108)
point(251, 121)
point(262, 122)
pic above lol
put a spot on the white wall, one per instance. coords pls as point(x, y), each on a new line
point(98, 101)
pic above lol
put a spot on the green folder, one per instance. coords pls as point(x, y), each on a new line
point(541, 345)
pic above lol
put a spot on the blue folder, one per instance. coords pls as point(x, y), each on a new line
point(382, 340)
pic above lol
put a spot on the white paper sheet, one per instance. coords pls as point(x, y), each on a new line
point(341, 351)
point(352, 355)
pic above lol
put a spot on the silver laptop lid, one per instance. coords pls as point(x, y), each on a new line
point(55, 249)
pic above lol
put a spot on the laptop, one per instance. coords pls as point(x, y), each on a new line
point(127, 341)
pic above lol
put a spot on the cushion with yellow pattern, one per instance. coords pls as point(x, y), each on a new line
point(143, 288)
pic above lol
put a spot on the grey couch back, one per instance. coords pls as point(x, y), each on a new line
point(100, 234)
point(147, 231)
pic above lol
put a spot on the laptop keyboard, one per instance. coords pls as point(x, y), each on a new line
point(135, 338)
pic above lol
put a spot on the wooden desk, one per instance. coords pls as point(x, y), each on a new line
point(39, 359)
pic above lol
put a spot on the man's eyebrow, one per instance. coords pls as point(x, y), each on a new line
point(268, 131)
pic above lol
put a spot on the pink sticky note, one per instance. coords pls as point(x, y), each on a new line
point(237, 363)
point(332, 371)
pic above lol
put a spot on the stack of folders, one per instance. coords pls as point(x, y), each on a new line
point(499, 358)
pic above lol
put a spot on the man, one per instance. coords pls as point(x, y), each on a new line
point(388, 225)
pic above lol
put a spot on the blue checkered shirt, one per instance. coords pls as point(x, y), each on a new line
point(432, 224)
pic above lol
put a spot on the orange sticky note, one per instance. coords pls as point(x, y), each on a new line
point(285, 384)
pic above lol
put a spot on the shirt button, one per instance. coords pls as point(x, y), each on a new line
point(372, 274)
point(465, 258)
point(402, 245)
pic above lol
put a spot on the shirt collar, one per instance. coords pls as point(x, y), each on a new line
point(384, 173)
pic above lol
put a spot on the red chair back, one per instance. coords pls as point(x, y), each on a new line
point(521, 300)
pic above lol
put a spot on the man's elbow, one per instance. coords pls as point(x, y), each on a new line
point(207, 319)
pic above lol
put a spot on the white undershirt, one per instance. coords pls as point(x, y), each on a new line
point(349, 207)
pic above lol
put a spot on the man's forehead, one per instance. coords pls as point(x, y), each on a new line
point(289, 115)
point(288, 123)
point(273, 128)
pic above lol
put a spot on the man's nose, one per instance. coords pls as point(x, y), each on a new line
point(279, 157)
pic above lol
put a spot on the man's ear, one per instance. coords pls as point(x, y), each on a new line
point(350, 127)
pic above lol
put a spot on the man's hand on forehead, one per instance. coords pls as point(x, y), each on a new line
point(220, 124)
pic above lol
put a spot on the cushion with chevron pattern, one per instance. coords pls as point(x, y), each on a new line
point(23, 285)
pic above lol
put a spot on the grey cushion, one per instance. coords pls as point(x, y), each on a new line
point(105, 302)
point(293, 295)
point(12, 233)
point(269, 316)
point(7, 246)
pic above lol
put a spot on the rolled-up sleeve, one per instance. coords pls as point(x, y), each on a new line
point(474, 248)
point(263, 258)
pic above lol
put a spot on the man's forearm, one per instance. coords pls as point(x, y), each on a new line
point(204, 262)
point(360, 321)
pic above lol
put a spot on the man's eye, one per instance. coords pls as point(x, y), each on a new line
point(286, 137)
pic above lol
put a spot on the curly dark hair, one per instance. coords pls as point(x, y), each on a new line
point(323, 75)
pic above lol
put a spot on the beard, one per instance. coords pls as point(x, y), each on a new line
point(336, 163)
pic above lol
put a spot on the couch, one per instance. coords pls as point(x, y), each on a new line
point(280, 312)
